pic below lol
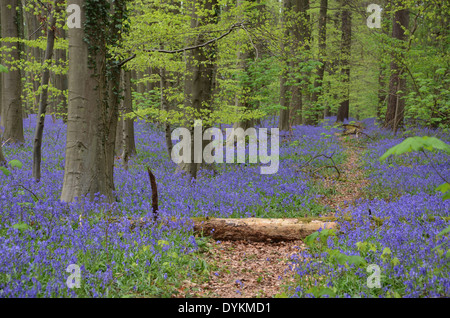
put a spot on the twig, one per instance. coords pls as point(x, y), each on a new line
point(329, 166)
point(35, 196)
point(234, 26)
point(432, 165)
point(317, 169)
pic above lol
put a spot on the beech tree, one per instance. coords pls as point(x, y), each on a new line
point(346, 27)
point(43, 99)
point(318, 83)
point(397, 81)
point(125, 144)
point(198, 85)
point(94, 81)
point(11, 82)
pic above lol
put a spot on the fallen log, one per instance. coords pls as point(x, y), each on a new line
point(258, 229)
point(263, 230)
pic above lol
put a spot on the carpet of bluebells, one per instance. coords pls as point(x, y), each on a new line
point(412, 257)
point(40, 236)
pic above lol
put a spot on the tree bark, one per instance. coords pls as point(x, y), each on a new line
point(346, 40)
point(283, 123)
point(129, 144)
point(34, 31)
point(397, 82)
point(12, 88)
point(92, 111)
point(318, 84)
point(258, 229)
point(40, 120)
point(60, 104)
point(301, 36)
point(164, 85)
point(200, 76)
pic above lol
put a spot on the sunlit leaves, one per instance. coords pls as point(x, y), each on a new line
point(417, 144)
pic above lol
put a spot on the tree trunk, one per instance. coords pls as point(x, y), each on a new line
point(200, 76)
point(382, 78)
point(129, 144)
point(300, 49)
point(34, 31)
point(283, 123)
point(11, 92)
point(164, 85)
point(93, 109)
point(346, 40)
point(397, 82)
point(40, 120)
point(60, 104)
point(318, 84)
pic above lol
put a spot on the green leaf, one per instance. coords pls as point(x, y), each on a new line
point(22, 226)
point(16, 163)
point(395, 261)
point(3, 69)
point(356, 260)
point(444, 231)
point(163, 242)
point(311, 239)
point(445, 187)
point(416, 144)
point(387, 251)
point(321, 291)
point(5, 171)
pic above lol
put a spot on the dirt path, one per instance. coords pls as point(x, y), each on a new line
point(351, 185)
point(255, 270)
point(247, 269)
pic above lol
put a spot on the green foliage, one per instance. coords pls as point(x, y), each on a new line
point(421, 144)
point(14, 164)
point(22, 226)
point(417, 144)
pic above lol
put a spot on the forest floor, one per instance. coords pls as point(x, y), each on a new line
point(246, 269)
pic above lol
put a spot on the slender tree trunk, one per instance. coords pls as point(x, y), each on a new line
point(34, 31)
point(343, 111)
point(244, 99)
point(199, 78)
point(118, 148)
point(125, 144)
point(382, 78)
point(60, 104)
point(129, 145)
point(318, 84)
point(44, 95)
point(283, 123)
point(397, 83)
point(164, 85)
point(300, 50)
point(12, 88)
